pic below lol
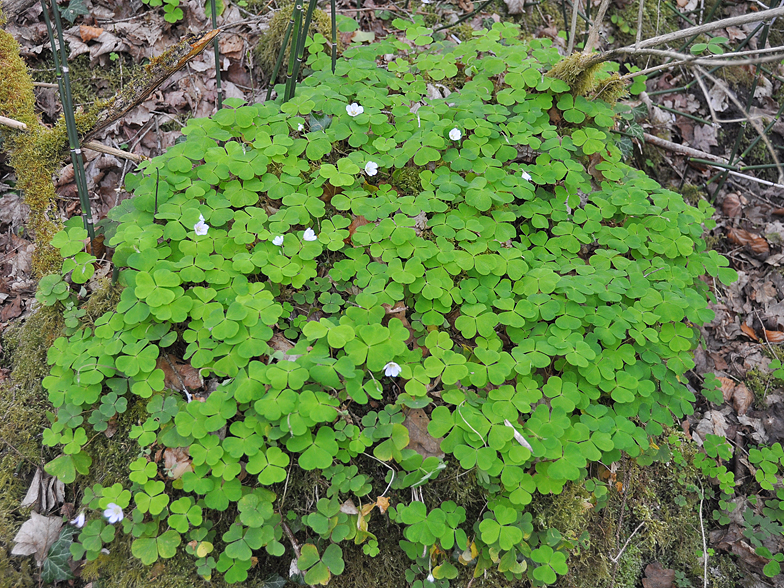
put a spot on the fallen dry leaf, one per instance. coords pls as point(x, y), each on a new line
point(742, 399)
point(752, 242)
point(774, 336)
point(177, 374)
point(418, 438)
point(11, 310)
point(349, 508)
point(749, 331)
point(45, 490)
point(37, 535)
point(177, 461)
point(658, 577)
point(356, 222)
point(88, 33)
point(382, 502)
point(727, 386)
point(732, 206)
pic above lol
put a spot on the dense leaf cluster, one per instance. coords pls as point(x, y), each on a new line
point(538, 295)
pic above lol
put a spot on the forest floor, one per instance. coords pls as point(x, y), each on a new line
point(109, 39)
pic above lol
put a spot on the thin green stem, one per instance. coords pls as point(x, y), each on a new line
point(279, 62)
point(64, 84)
point(301, 45)
point(217, 55)
point(333, 16)
point(295, 33)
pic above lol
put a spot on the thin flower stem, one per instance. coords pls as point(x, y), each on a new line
point(64, 83)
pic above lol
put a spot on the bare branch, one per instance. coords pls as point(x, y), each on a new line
point(573, 29)
point(681, 149)
point(593, 34)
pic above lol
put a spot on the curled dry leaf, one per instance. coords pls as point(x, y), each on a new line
point(742, 399)
point(88, 33)
point(727, 387)
point(177, 461)
point(37, 535)
point(732, 206)
point(749, 331)
point(382, 502)
point(177, 373)
point(774, 336)
point(45, 490)
point(752, 242)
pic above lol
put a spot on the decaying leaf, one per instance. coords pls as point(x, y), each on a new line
point(37, 534)
point(418, 438)
point(742, 399)
point(177, 374)
point(658, 577)
point(349, 508)
point(749, 331)
point(518, 436)
point(732, 206)
point(727, 386)
point(177, 461)
point(45, 490)
point(382, 502)
point(774, 336)
point(88, 33)
point(752, 242)
point(515, 6)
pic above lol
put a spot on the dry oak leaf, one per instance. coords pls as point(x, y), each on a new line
point(753, 242)
point(732, 206)
point(36, 536)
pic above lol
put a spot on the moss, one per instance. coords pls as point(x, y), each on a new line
point(463, 31)
point(407, 181)
point(575, 71)
point(692, 194)
point(270, 43)
point(104, 298)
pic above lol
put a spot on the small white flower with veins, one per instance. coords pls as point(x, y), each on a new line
point(300, 127)
point(354, 109)
point(392, 370)
point(455, 134)
point(113, 513)
point(201, 227)
point(371, 168)
point(78, 521)
point(310, 235)
point(526, 176)
point(431, 579)
point(278, 240)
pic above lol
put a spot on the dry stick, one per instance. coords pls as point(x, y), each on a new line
point(681, 149)
point(92, 145)
point(753, 122)
point(686, 33)
point(639, 22)
point(626, 475)
point(573, 29)
point(715, 61)
point(617, 558)
point(593, 34)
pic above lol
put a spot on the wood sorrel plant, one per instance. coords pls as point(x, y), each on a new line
point(541, 315)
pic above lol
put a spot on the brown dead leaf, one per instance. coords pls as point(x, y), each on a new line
point(158, 569)
point(727, 387)
point(11, 310)
point(704, 138)
point(749, 331)
point(732, 206)
point(418, 438)
point(356, 222)
point(752, 242)
point(774, 336)
point(37, 535)
point(349, 508)
point(382, 502)
point(177, 374)
point(777, 211)
point(89, 33)
point(742, 399)
point(177, 461)
point(658, 577)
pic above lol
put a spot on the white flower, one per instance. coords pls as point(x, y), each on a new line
point(300, 127)
point(78, 521)
point(354, 109)
point(455, 134)
point(371, 168)
point(431, 579)
point(392, 370)
point(201, 227)
point(278, 240)
point(310, 235)
point(201, 218)
point(526, 176)
point(113, 513)
point(105, 551)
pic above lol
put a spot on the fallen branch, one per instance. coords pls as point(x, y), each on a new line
point(92, 145)
point(681, 149)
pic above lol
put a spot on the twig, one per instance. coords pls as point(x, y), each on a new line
point(573, 26)
point(290, 535)
point(617, 558)
point(19, 453)
point(14, 124)
point(620, 520)
point(681, 149)
point(593, 35)
point(44, 85)
point(704, 545)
